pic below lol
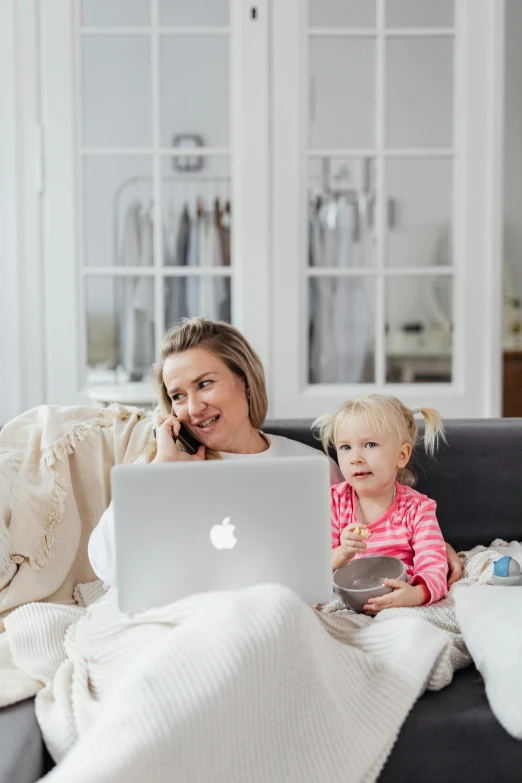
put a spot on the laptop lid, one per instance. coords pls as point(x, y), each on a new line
point(190, 527)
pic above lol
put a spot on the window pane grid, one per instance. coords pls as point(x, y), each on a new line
point(207, 288)
point(415, 265)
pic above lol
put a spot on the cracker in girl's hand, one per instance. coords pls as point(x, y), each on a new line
point(363, 532)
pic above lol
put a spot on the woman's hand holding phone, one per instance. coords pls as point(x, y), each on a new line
point(166, 432)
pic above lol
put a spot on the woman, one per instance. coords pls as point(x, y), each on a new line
point(212, 382)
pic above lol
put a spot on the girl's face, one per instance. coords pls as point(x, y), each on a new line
point(368, 461)
point(208, 398)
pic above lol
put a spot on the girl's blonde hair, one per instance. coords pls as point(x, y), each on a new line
point(384, 415)
point(226, 343)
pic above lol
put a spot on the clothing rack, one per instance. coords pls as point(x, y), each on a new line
point(182, 180)
point(132, 300)
point(362, 200)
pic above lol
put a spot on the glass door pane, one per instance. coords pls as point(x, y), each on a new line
point(419, 329)
point(195, 90)
point(420, 13)
point(341, 212)
point(196, 13)
point(341, 330)
point(348, 13)
point(189, 296)
point(419, 92)
point(118, 219)
point(342, 109)
point(115, 13)
point(116, 91)
point(420, 212)
point(197, 212)
point(120, 328)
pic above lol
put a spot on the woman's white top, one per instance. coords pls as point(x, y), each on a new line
point(102, 541)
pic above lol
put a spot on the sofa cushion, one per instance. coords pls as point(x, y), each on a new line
point(22, 754)
point(452, 736)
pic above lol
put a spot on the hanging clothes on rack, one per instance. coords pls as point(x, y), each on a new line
point(205, 245)
point(322, 347)
point(214, 296)
point(224, 234)
point(175, 288)
point(340, 318)
point(170, 229)
point(194, 235)
point(352, 316)
point(193, 256)
point(226, 225)
point(221, 284)
point(135, 303)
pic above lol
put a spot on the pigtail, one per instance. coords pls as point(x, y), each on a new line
point(433, 430)
point(323, 429)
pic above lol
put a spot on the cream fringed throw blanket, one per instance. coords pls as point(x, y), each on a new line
point(54, 486)
point(65, 455)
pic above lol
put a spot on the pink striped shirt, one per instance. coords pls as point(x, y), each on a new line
point(408, 530)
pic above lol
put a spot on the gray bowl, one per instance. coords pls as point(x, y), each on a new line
point(362, 579)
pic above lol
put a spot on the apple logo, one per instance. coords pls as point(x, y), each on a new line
point(222, 536)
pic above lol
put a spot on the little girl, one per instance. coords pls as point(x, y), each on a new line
point(376, 511)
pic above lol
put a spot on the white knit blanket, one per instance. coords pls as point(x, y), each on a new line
point(250, 685)
point(232, 687)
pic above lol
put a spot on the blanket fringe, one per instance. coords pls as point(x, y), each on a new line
point(64, 446)
point(60, 449)
point(58, 452)
point(5, 550)
point(42, 553)
point(12, 489)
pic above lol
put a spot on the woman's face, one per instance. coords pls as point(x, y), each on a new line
point(209, 399)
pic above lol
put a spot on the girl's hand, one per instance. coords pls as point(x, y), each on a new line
point(350, 545)
point(167, 449)
point(454, 565)
point(403, 594)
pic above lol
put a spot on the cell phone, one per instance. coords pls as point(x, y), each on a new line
point(187, 440)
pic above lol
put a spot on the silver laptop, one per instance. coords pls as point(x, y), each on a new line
point(221, 525)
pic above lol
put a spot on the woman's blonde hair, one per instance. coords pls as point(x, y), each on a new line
point(226, 343)
point(384, 415)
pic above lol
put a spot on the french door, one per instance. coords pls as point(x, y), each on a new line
point(324, 174)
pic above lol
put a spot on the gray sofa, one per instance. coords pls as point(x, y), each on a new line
point(450, 736)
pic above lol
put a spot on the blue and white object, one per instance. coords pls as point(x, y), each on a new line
point(507, 572)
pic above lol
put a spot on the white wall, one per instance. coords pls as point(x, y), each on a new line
point(513, 143)
point(22, 338)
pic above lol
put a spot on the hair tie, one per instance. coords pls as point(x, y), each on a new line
point(415, 410)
